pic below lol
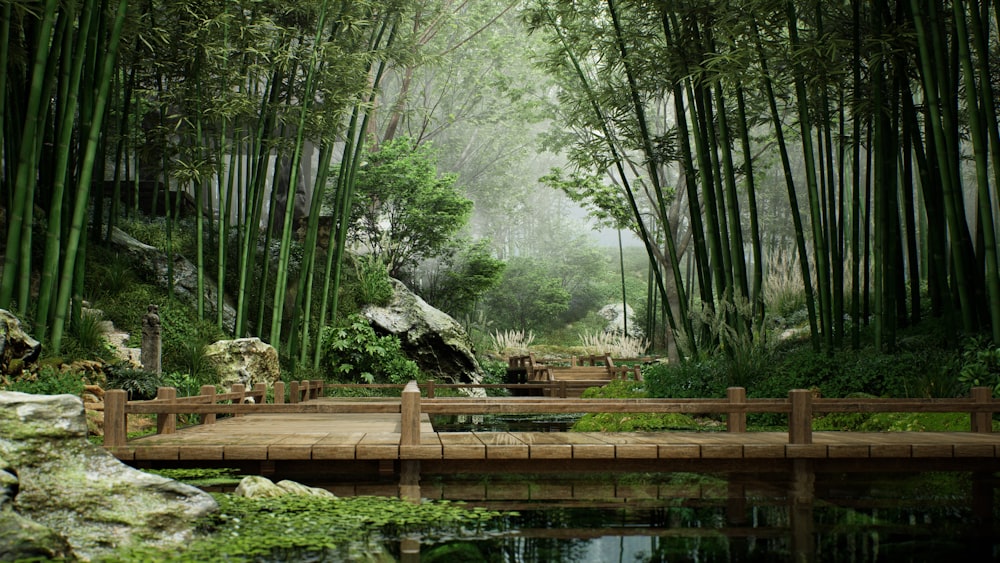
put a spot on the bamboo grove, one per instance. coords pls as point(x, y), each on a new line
point(206, 104)
point(877, 117)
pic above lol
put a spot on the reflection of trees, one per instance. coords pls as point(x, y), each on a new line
point(555, 548)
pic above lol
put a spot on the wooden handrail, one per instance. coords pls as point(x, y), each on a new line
point(800, 406)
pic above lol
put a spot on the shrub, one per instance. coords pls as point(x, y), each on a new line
point(354, 352)
point(49, 381)
point(685, 380)
point(139, 384)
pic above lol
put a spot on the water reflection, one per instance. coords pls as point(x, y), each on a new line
point(686, 517)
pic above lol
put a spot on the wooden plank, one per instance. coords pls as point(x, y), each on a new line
point(164, 453)
point(461, 445)
point(546, 445)
point(590, 446)
point(503, 445)
point(378, 445)
point(766, 451)
point(295, 446)
point(337, 445)
point(250, 447)
point(428, 448)
point(633, 445)
point(808, 451)
point(201, 452)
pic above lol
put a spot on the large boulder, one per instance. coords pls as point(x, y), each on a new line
point(15, 344)
point(61, 496)
point(244, 360)
point(435, 341)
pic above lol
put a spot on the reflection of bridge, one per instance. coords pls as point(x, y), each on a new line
point(326, 437)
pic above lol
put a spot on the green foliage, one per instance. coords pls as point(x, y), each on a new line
point(140, 384)
point(528, 297)
point(373, 287)
point(895, 422)
point(980, 364)
point(494, 373)
point(686, 380)
point(404, 211)
point(353, 352)
point(200, 476)
point(87, 338)
point(628, 422)
point(49, 380)
point(295, 527)
point(456, 283)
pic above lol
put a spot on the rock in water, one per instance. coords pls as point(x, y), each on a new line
point(68, 491)
point(431, 338)
point(244, 360)
point(255, 486)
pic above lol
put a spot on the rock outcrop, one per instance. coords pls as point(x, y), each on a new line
point(435, 341)
point(15, 344)
point(185, 276)
point(63, 497)
point(243, 360)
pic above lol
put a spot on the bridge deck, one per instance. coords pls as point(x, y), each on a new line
point(376, 436)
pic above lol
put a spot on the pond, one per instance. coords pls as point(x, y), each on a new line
point(688, 517)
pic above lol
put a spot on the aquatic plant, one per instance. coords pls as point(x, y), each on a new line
point(296, 527)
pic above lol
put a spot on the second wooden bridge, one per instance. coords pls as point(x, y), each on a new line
point(320, 437)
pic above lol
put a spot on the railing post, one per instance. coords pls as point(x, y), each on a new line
point(115, 419)
point(208, 418)
point(317, 388)
point(279, 392)
point(293, 392)
point(260, 389)
point(240, 389)
point(800, 419)
point(409, 421)
point(736, 421)
point(430, 388)
point(562, 389)
point(982, 421)
point(166, 423)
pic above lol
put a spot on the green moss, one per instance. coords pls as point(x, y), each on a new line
point(292, 527)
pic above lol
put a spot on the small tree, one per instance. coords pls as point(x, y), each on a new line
point(404, 211)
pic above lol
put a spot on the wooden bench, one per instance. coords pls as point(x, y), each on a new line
point(526, 369)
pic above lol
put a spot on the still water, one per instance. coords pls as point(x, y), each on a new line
point(686, 517)
point(859, 517)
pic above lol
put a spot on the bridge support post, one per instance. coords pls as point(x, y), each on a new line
point(982, 421)
point(208, 390)
point(166, 423)
point(800, 419)
point(736, 421)
point(409, 413)
point(115, 425)
point(409, 435)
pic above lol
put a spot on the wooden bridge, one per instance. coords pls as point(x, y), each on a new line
point(326, 438)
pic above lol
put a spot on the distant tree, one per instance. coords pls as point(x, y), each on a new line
point(529, 297)
point(404, 210)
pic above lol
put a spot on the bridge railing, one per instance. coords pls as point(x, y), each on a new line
point(800, 406)
point(208, 404)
